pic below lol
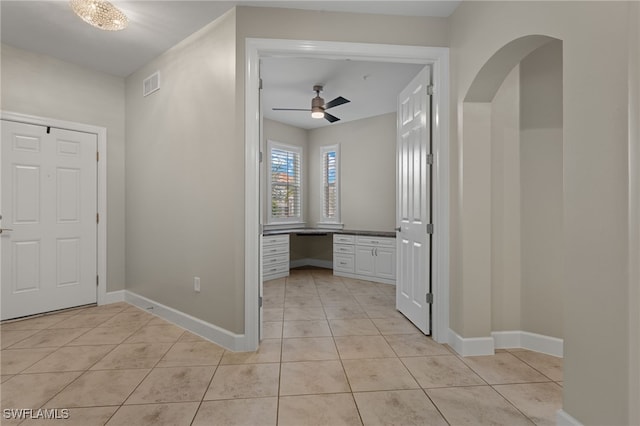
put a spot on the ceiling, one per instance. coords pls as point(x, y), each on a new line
point(372, 88)
point(51, 28)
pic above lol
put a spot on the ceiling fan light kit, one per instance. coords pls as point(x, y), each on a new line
point(318, 107)
point(100, 13)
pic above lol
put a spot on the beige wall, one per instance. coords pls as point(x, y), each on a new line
point(300, 24)
point(40, 85)
point(541, 194)
point(367, 172)
point(185, 174)
point(505, 205)
point(634, 213)
point(367, 176)
point(316, 247)
point(595, 179)
point(475, 301)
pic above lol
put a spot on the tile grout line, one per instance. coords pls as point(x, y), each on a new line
point(72, 381)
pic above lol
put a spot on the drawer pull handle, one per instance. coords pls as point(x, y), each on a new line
point(343, 263)
point(273, 250)
point(273, 269)
point(274, 260)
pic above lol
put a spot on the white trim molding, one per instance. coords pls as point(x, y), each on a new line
point(438, 58)
point(531, 341)
point(565, 419)
point(471, 346)
point(220, 336)
point(101, 134)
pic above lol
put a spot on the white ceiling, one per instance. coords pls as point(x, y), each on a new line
point(51, 28)
point(372, 88)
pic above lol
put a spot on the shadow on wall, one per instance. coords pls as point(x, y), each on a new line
point(513, 126)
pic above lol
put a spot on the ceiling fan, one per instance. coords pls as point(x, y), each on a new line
point(318, 107)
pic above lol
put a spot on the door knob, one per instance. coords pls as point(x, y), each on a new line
point(5, 229)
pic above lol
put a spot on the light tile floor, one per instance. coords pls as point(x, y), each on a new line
point(335, 352)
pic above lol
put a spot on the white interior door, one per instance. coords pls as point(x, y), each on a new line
point(49, 220)
point(413, 207)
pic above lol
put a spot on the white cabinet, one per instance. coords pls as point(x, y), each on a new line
point(364, 257)
point(275, 257)
point(343, 253)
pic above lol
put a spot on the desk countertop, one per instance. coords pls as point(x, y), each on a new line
point(321, 231)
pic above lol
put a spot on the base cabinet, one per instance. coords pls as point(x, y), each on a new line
point(367, 258)
point(275, 257)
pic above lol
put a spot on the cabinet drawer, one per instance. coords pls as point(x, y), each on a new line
point(343, 262)
point(275, 239)
point(376, 241)
point(273, 259)
point(343, 248)
point(277, 249)
point(275, 269)
point(344, 239)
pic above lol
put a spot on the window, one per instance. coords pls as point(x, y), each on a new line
point(330, 184)
point(285, 183)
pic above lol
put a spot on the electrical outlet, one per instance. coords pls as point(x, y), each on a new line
point(196, 284)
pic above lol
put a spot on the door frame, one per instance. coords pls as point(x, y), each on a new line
point(101, 134)
point(438, 57)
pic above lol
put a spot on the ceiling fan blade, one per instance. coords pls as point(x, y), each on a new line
point(336, 102)
point(290, 109)
point(330, 118)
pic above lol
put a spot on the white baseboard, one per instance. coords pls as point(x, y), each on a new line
point(311, 262)
point(531, 341)
point(114, 297)
point(471, 346)
point(564, 419)
point(220, 336)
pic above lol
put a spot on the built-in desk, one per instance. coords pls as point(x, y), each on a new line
point(360, 254)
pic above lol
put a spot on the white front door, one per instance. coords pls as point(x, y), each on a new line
point(49, 220)
point(413, 206)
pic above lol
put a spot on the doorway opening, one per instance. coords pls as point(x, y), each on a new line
point(438, 59)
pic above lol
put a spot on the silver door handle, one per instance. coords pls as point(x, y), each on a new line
point(399, 229)
point(5, 229)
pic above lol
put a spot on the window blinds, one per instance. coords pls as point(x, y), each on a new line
point(329, 179)
point(285, 184)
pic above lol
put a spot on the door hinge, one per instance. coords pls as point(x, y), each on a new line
point(260, 156)
point(260, 228)
point(429, 298)
point(97, 217)
point(97, 280)
point(429, 228)
point(259, 301)
point(430, 159)
point(97, 156)
point(430, 90)
point(260, 84)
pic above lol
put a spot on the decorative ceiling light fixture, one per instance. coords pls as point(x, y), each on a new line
point(100, 13)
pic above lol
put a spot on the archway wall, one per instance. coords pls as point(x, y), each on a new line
point(595, 193)
point(541, 191)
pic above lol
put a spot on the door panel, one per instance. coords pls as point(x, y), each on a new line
point(49, 205)
point(414, 201)
point(365, 263)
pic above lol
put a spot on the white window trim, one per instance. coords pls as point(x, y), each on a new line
point(278, 222)
point(325, 222)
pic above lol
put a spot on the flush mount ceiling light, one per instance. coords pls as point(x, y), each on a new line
point(100, 13)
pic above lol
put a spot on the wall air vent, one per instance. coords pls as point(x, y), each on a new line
point(151, 84)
